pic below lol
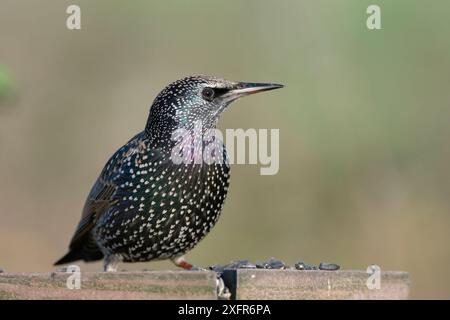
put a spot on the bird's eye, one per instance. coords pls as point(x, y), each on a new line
point(208, 94)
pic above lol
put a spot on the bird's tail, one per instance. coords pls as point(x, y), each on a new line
point(70, 256)
point(87, 250)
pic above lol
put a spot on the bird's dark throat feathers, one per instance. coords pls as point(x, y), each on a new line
point(165, 140)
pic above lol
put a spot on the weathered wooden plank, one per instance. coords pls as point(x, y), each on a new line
point(243, 284)
point(120, 285)
point(314, 284)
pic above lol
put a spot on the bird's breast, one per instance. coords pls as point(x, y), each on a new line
point(162, 208)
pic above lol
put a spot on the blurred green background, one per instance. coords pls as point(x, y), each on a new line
point(364, 125)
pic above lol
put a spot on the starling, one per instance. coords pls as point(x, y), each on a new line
point(144, 205)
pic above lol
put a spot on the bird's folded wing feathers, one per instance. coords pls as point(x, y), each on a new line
point(102, 195)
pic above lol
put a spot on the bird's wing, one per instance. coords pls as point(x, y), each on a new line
point(102, 195)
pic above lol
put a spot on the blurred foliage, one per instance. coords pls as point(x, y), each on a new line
point(5, 82)
point(363, 122)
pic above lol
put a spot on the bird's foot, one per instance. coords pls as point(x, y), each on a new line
point(196, 268)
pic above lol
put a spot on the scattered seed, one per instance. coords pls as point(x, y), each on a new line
point(328, 266)
point(304, 266)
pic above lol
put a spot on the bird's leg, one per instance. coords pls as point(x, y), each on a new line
point(110, 264)
point(182, 263)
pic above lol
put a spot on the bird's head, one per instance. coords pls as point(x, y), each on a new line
point(195, 99)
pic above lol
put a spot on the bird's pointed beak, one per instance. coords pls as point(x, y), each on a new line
point(246, 88)
point(242, 89)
